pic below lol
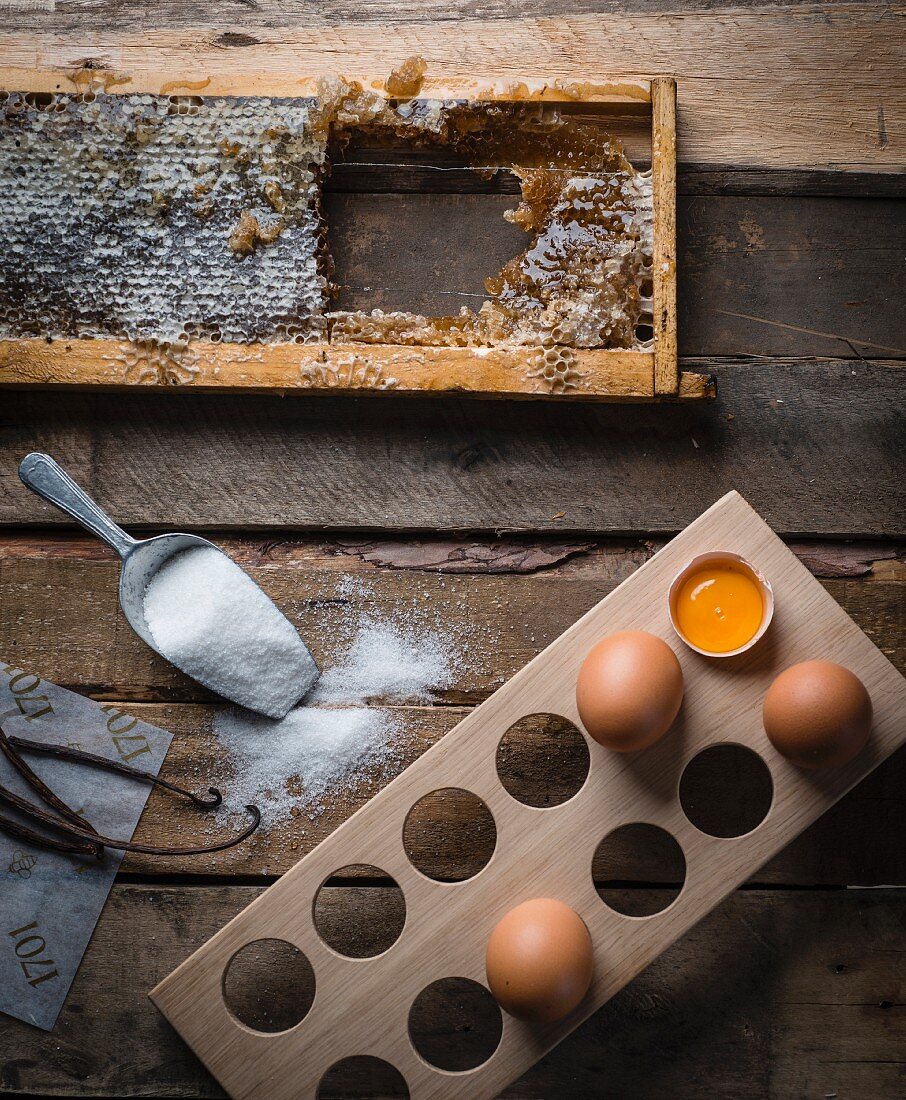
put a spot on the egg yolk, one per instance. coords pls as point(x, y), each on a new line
point(719, 607)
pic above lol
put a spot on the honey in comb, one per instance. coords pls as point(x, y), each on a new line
point(201, 217)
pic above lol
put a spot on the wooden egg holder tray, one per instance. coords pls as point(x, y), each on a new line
point(361, 1006)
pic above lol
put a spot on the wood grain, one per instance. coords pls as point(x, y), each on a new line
point(663, 276)
point(496, 623)
point(541, 852)
point(417, 178)
point(760, 276)
point(741, 100)
point(775, 994)
point(778, 276)
point(351, 369)
point(178, 461)
point(71, 15)
point(824, 183)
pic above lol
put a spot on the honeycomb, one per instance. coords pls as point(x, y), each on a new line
point(152, 217)
point(166, 219)
point(584, 280)
point(556, 369)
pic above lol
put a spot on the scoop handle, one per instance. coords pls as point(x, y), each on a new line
point(50, 481)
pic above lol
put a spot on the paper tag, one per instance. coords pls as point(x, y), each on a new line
point(49, 901)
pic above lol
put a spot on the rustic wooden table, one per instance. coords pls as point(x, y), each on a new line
point(509, 521)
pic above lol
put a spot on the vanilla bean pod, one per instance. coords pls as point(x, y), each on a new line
point(78, 833)
point(40, 788)
point(154, 850)
point(64, 752)
point(90, 841)
point(22, 832)
point(82, 836)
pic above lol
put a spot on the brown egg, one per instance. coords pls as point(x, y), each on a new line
point(629, 690)
point(817, 714)
point(540, 961)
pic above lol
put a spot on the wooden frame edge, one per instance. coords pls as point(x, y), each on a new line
point(146, 77)
point(663, 193)
point(510, 372)
point(203, 366)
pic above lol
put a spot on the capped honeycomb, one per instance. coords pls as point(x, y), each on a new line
point(160, 218)
point(163, 219)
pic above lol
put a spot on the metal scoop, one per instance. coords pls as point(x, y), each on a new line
point(141, 560)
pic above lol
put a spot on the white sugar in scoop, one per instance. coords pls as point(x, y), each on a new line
point(192, 604)
point(208, 616)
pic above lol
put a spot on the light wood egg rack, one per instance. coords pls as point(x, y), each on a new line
point(361, 1006)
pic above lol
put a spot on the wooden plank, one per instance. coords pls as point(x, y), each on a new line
point(857, 843)
point(775, 994)
point(496, 622)
point(543, 852)
point(779, 276)
point(75, 15)
point(64, 588)
point(501, 372)
point(694, 180)
point(758, 276)
point(663, 276)
point(730, 112)
point(419, 465)
point(363, 174)
point(427, 254)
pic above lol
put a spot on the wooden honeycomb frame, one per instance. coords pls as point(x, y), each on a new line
point(361, 1006)
point(498, 371)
